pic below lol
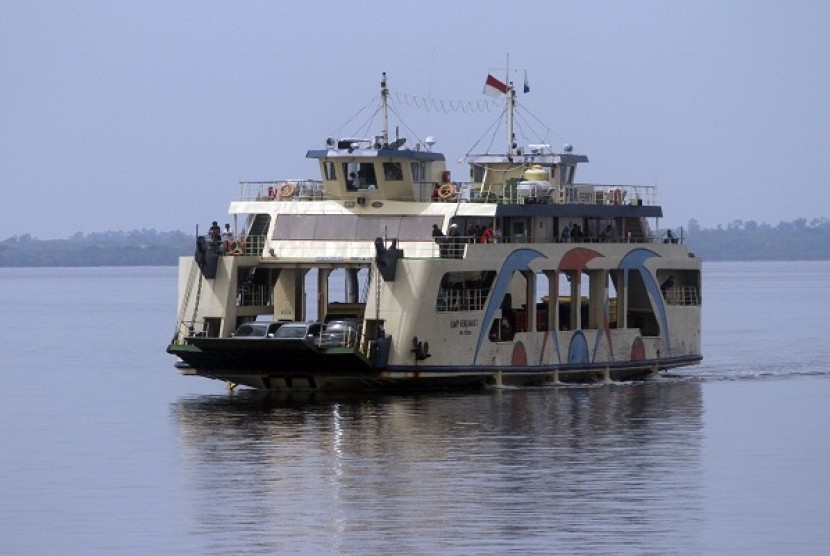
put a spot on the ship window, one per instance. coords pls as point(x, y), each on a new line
point(360, 175)
point(329, 171)
point(350, 227)
point(392, 171)
point(477, 173)
point(464, 291)
point(379, 226)
point(416, 171)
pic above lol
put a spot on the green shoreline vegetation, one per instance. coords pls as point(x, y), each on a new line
point(738, 241)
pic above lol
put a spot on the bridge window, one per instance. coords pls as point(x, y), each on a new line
point(392, 171)
point(329, 171)
point(360, 175)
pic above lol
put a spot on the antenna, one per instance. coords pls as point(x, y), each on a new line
point(384, 94)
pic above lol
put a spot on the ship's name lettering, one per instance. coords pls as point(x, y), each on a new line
point(464, 323)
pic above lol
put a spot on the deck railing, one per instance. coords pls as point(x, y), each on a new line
point(298, 190)
point(681, 295)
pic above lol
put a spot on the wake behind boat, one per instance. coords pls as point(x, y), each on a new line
point(520, 276)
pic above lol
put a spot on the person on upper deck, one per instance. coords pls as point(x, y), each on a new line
point(215, 232)
point(227, 237)
point(566, 234)
point(486, 235)
point(438, 237)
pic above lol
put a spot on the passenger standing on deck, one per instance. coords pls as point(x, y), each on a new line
point(227, 236)
point(566, 234)
point(471, 233)
point(438, 237)
point(455, 239)
point(486, 235)
point(215, 232)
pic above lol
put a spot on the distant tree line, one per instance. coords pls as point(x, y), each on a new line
point(135, 248)
point(739, 241)
point(798, 240)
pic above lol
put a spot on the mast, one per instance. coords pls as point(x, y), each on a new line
point(511, 102)
point(384, 95)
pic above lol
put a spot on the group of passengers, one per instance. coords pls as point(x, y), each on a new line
point(217, 235)
point(573, 234)
point(450, 245)
point(478, 233)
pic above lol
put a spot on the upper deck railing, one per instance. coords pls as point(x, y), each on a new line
point(299, 190)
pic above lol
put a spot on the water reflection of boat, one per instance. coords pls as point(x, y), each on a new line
point(520, 276)
point(620, 464)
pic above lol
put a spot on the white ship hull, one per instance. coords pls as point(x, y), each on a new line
point(550, 280)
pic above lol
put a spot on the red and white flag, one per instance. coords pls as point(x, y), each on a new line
point(493, 87)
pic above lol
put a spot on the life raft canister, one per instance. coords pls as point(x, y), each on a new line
point(287, 190)
point(536, 173)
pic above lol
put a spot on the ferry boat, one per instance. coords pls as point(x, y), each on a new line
point(387, 273)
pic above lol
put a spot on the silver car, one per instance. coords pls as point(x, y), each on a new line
point(298, 331)
point(339, 333)
point(257, 330)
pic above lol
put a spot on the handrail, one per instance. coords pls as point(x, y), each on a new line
point(298, 190)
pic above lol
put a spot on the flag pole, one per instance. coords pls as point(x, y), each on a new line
point(511, 101)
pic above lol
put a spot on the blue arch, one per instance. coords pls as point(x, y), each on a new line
point(515, 261)
point(578, 350)
point(635, 260)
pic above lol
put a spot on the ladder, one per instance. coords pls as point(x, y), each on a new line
point(191, 278)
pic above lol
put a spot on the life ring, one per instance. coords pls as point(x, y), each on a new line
point(446, 191)
point(237, 246)
point(287, 190)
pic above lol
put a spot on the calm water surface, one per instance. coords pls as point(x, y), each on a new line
point(106, 449)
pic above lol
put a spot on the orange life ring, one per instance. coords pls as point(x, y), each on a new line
point(446, 191)
point(287, 190)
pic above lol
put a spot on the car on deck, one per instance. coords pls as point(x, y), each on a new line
point(257, 330)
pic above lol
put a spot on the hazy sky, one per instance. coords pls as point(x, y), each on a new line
point(131, 115)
